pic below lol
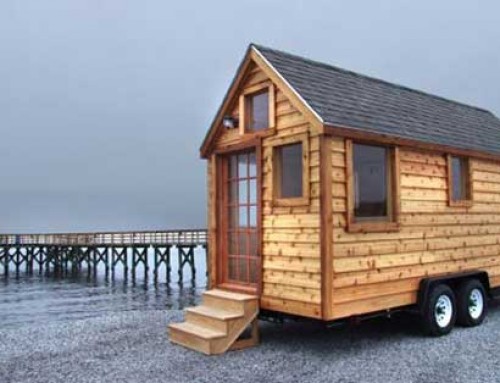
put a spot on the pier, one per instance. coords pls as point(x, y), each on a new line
point(68, 252)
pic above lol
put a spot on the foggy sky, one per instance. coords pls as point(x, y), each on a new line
point(104, 104)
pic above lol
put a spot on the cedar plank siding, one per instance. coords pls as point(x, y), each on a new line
point(377, 271)
point(291, 274)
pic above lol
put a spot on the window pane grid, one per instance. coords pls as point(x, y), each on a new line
point(241, 207)
point(241, 204)
point(240, 179)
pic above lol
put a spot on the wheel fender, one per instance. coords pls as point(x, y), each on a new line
point(427, 284)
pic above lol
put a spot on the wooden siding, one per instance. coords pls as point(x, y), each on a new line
point(291, 249)
point(377, 271)
point(291, 275)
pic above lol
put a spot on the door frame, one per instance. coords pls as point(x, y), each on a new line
point(254, 143)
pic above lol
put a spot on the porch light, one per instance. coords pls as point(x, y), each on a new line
point(230, 122)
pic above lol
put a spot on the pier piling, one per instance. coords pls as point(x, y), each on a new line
point(64, 252)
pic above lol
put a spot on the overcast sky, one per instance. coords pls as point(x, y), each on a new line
point(104, 103)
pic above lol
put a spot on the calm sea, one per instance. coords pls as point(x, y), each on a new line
point(28, 298)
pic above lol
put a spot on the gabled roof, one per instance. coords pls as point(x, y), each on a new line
point(338, 98)
point(252, 55)
point(346, 99)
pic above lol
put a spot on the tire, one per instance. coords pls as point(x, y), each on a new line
point(440, 313)
point(472, 304)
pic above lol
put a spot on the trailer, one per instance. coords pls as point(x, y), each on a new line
point(333, 195)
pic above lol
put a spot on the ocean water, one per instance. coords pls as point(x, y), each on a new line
point(27, 298)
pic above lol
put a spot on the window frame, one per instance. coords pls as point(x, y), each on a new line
point(277, 200)
point(244, 112)
point(374, 224)
point(468, 201)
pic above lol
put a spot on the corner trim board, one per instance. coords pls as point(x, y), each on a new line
point(326, 227)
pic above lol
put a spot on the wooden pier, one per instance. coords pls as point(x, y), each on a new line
point(128, 250)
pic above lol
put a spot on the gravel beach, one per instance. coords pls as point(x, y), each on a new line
point(133, 347)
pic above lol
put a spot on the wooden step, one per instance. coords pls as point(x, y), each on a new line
point(194, 336)
point(229, 295)
point(212, 317)
point(227, 300)
point(215, 326)
point(198, 331)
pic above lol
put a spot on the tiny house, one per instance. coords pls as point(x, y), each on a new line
point(334, 195)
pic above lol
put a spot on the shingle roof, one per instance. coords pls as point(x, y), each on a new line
point(347, 99)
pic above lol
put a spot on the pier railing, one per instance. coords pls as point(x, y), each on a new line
point(160, 237)
point(73, 251)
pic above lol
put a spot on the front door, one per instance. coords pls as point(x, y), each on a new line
point(240, 259)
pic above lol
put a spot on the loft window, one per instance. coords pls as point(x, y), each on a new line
point(373, 189)
point(459, 180)
point(289, 170)
point(257, 106)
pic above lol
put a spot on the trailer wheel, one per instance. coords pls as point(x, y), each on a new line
point(440, 312)
point(472, 303)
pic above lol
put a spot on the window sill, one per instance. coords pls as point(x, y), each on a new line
point(290, 202)
point(463, 203)
point(262, 133)
point(372, 227)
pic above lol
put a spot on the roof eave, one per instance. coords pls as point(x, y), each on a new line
point(207, 141)
point(360, 134)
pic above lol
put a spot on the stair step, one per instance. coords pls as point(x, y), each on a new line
point(197, 331)
point(226, 300)
point(215, 313)
point(214, 326)
point(229, 295)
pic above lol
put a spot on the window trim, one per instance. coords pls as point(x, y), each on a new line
point(243, 109)
point(304, 200)
point(375, 224)
point(468, 202)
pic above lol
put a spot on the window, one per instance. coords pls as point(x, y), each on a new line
point(373, 189)
point(459, 181)
point(371, 181)
point(258, 111)
point(291, 171)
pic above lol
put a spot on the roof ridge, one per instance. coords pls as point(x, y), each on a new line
point(370, 78)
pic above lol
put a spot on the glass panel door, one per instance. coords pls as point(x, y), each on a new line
point(242, 257)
